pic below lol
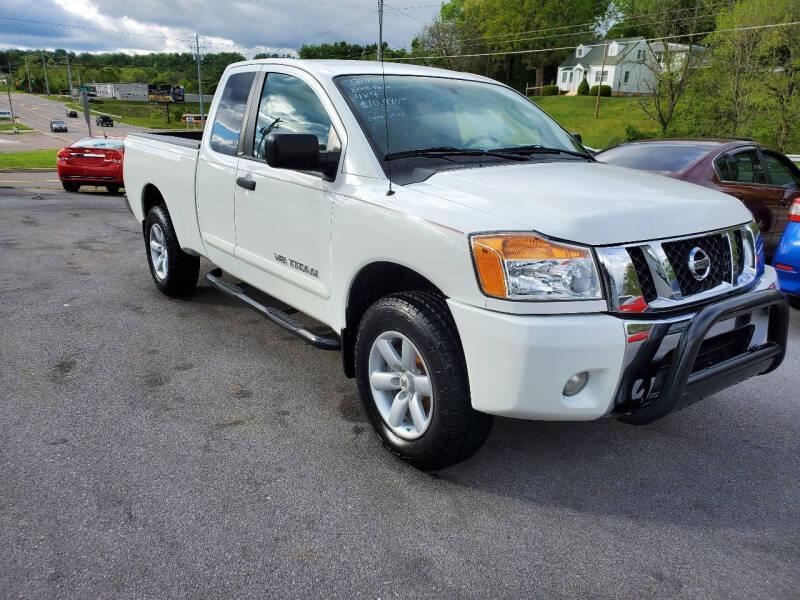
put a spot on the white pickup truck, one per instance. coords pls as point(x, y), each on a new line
point(467, 254)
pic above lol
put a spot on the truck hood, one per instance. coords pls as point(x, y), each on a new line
point(588, 203)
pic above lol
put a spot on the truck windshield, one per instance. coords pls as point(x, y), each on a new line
point(436, 112)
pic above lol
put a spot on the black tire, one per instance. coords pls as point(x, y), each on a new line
point(182, 268)
point(456, 431)
point(113, 188)
point(794, 301)
point(71, 186)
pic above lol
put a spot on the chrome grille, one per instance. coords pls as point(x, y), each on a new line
point(718, 250)
point(657, 275)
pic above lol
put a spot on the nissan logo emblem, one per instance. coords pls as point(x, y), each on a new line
point(699, 263)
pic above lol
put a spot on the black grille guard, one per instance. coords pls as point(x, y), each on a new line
point(681, 386)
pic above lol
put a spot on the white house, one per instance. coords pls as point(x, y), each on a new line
point(628, 69)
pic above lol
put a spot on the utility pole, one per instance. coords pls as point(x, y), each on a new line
point(600, 85)
point(28, 71)
point(200, 81)
point(46, 83)
point(380, 30)
point(11, 106)
point(69, 76)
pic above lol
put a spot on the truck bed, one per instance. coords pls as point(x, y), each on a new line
point(165, 161)
point(185, 138)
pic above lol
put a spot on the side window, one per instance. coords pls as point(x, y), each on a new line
point(289, 105)
point(230, 113)
point(741, 167)
point(780, 171)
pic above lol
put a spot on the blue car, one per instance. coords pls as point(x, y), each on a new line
point(787, 257)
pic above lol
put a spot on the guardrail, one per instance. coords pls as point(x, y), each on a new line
point(793, 157)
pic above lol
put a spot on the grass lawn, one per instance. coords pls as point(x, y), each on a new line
point(576, 113)
point(29, 160)
point(4, 126)
point(143, 114)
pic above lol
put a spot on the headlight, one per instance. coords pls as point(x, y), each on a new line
point(526, 267)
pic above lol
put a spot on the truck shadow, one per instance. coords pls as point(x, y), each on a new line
point(713, 464)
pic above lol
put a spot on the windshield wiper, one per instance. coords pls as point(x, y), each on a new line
point(445, 151)
point(537, 149)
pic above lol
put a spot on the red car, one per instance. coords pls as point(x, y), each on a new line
point(764, 179)
point(92, 161)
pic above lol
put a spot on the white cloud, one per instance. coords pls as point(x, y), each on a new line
point(247, 27)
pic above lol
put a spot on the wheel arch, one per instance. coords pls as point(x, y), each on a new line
point(151, 196)
point(374, 281)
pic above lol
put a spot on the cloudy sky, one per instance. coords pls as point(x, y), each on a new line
point(248, 27)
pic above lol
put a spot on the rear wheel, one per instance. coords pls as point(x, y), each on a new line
point(71, 186)
point(413, 383)
point(113, 188)
point(794, 301)
point(173, 270)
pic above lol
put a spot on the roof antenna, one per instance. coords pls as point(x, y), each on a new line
point(390, 191)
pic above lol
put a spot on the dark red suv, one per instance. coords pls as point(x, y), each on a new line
point(764, 179)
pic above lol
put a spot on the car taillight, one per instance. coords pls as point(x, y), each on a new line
point(794, 214)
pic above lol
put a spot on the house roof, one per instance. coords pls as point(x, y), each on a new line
point(595, 54)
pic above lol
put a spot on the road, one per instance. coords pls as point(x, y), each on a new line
point(36, 112)
point(152, 447)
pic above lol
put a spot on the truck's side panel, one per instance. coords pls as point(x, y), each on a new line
point(169, 168)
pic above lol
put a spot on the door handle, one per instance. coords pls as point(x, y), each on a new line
point(247, 184)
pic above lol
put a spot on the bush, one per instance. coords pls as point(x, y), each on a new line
point(605, 90)
point(549, 90)
point(632, 133)
point(583, 87)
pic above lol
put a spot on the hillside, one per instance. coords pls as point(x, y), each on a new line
point(576, 113)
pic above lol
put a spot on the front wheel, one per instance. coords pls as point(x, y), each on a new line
point(173, 270)
point(112, 188)
point(413, 382)
point(70, 186)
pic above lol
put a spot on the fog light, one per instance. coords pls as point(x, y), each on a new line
point(576, 383)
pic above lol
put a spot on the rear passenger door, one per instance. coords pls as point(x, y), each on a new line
point(742, 174)
point(283, 217)
point(216, 168)
point(783, 179)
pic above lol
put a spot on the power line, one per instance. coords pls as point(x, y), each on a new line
point(339, 26)
point(654, 39)
point(587, 23)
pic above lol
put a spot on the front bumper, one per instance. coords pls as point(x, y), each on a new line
point(518, 364)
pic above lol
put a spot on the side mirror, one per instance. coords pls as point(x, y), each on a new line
point(300, 152)
point(791, 193)
point(577, 136)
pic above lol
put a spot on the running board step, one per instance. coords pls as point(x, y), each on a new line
point(275, 315)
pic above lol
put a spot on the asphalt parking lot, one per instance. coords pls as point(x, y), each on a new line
point(152, 447)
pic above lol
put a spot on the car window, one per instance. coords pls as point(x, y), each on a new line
point(653, 156)
point(781, 171)
point(110, 143)
point(289, 105)
point(431, 112)
point(230, 113)
point(741, 167)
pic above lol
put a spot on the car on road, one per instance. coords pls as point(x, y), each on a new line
point(764, 179)
point(104, 121)
point(58, 125)
point(92, 161)
point(787, 257)
point(72, 114)
point(462, 251)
